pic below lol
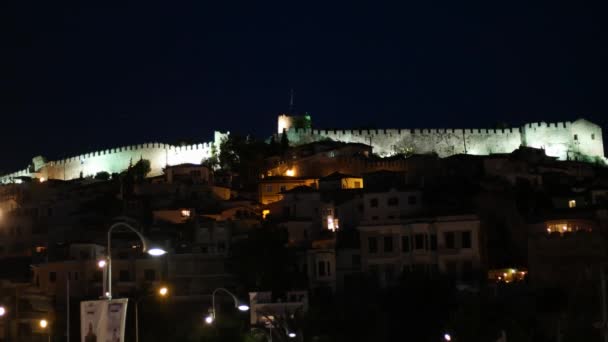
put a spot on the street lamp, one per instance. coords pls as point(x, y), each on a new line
point(163, 292)
point(2, 311)
point(447, 337)
point(237, 304)
point(154, 251)
point(291, 334)
point(44, 325)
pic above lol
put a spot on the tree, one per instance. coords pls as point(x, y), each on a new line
point(284, 142)
point(103, 175)
point(141, 169)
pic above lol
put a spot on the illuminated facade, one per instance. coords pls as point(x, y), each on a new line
point(116, 160)
point(576, 140)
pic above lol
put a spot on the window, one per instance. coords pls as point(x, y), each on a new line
point(268, 188)
point(466, 239)
point(357, 184)
point(389, 272)
point(52, 277)
point(84, 255)
point(412, 200)
point(419, 241)
point(393, 201)
point(405, 244)
point(592, 136)
point(433, 242)
point(373, 203)
point(372, 245)
point(356, 259)
point(449, 240)
point(576, 137)
point(572, 204)
point(124, 275)
point(388, 244)
point(322, 272)
point(283, 188)
point(149, 275)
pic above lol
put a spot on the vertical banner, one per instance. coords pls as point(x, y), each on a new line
point(103, 320)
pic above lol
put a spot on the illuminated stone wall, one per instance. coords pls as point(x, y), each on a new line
point(118, 159)
point(580, 139)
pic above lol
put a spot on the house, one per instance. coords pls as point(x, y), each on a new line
point(425, 245)
point(270, 188)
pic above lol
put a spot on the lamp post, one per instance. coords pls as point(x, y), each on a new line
point(2, 313)
point(154, 251)
point(237, 304)
point(44, 324)
point(163, 292)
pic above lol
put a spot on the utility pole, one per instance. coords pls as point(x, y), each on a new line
point(604, 307)
point(67, 329)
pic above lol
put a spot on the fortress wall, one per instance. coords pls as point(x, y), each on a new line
point(116, 160)
point(488, 141)
point(589, 138)
point(555, 138)
point(444, 142)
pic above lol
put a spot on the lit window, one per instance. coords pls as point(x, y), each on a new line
point(332, 223)
point(572, 204)
point(290, 173)
point(265, 213)
point(185, 213)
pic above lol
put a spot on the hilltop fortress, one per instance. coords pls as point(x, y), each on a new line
point(117, 160)
point(576, 140)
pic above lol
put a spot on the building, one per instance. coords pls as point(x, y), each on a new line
point(270, 189)
point(424, 245)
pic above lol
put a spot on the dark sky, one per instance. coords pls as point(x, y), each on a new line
point(80, 75)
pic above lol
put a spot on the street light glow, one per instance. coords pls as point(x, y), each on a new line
point(43, 323)
point(2, 311)
point(101, 263)
point(209, 319)
point(163, 291)
point(157, 251)
point(243, 307)
point(447, 337)
point(292, 335)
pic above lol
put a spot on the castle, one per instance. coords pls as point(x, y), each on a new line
point(116, 160)
point(576, 140)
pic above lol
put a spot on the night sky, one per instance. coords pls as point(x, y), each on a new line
point(76, 76)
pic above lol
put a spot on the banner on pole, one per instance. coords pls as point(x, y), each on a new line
point(103, 320)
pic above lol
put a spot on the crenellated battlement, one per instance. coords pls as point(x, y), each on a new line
point(578, 139)
point(117, 159)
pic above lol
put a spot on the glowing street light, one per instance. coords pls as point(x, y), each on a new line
point(2, 311)
point(162, 291)
point(291, 334)
point(447, 337)
point(101, 263)
point(43, 323)
point(154, 251)
point(237, 304)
